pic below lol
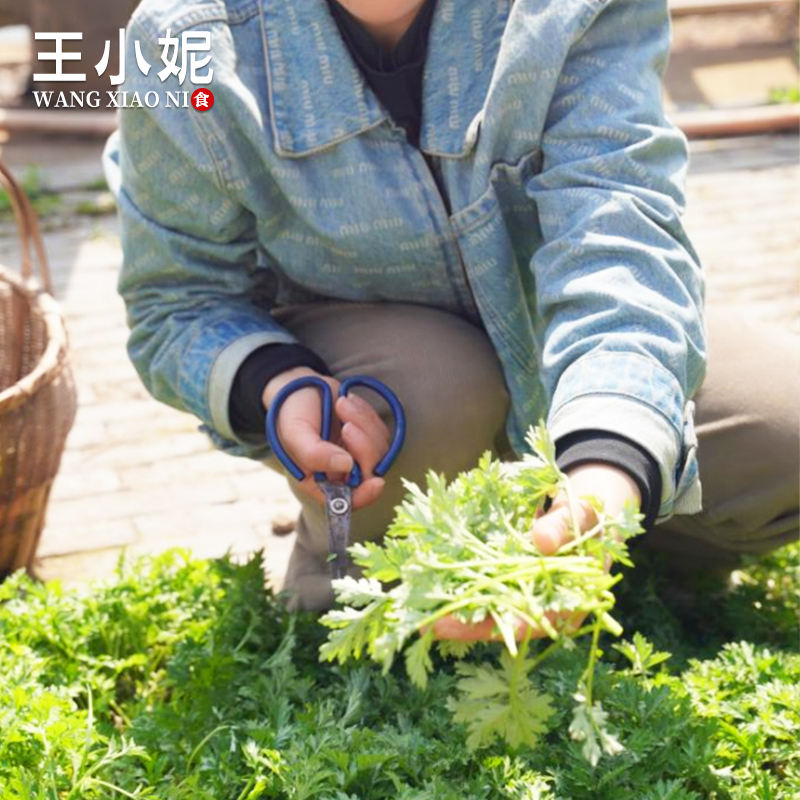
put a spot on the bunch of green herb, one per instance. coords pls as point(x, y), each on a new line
point(465, 550)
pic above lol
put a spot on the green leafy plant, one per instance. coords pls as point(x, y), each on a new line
point(784, 95)
point(180, 679)
point(465, 550)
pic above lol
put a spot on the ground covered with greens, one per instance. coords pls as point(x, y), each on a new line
point(186, 679)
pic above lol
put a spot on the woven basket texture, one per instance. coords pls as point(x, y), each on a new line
point(37, 391)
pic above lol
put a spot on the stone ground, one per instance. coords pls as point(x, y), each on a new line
point(138, 476)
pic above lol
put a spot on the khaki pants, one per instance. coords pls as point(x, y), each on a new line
point(448, 378)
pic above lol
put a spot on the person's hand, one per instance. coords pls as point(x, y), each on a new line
point(612, 486)
point(357, 433)
point(551, 531)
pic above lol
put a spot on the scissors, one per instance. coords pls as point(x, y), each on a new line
point(338, 505)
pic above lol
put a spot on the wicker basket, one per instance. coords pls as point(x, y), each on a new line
point(37, 393)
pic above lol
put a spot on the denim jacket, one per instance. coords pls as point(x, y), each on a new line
point(543, 204)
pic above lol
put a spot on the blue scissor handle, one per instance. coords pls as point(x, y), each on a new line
point(382, 467)
point(354, 478)
point(274, 411)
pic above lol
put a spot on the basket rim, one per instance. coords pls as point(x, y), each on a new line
point(53, 359)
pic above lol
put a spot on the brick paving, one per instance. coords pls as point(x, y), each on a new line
point(138, 476)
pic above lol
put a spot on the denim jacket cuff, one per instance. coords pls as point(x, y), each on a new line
point(674, 449)
point(221, 379)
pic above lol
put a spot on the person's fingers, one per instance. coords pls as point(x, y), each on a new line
point(367, 493)
point(358, 411)
point(573, 622)
point(311, 452)
point(554, 529)
point(310, 488)
point(451, 628)
point(365, 450)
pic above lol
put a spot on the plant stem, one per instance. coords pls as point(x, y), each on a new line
point(444, 611)
point(114, 788)
point(559, 562)
point(548, 651)
point(580, 538)
point(519, 664)
point(119, 711)
point(246, 789)
point(204, 741)
point(592, 661)
point(573, 510)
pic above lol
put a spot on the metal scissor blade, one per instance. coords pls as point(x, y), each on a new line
point(338, 507)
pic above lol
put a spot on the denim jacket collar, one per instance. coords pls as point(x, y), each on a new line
point(318, 96)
